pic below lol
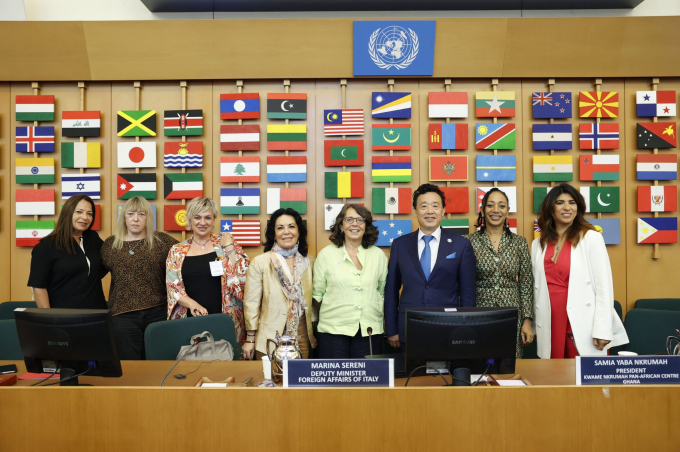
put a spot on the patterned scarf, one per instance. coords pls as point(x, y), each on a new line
point(293, 290)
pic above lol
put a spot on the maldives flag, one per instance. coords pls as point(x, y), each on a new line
point(657, 199)
point(457, 199)
point(448, 136)
point(343, 152)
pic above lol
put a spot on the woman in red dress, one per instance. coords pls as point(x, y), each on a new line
point(573, 286)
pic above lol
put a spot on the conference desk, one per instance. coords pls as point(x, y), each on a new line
point(132, 413)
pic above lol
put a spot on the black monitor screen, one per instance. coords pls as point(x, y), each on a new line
point(444, 338)
point(75, 340)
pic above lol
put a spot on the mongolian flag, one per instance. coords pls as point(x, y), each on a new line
point(137, 123)
point(344, 185)
point(601, 104)
point(179, 123)
point(343, 152)
point(175, 218)
point(448, 167)
point(448, 136)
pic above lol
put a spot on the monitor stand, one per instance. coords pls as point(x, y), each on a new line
point(66, 374)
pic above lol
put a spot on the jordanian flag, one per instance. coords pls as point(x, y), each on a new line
point(131, 185)
point(343, 152)
point(183, 185)
point(287, 198)
point(495, 136)
point(35, 108)
point(286, 137)
point(388, 137)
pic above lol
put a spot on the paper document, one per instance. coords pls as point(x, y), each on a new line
point(510, 383)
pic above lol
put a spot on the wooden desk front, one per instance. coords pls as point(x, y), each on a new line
point(140, 417)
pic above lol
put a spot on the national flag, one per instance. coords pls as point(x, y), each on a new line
point(136, 154)
point(537, 230)
point(343, 152)
point(553, 168)
point(119, 212)
point(35, 108)
point(460, 226)
point(330, 213)
point(34, 171)
point(240, 138)
point(35, 202)
point(240, 169)
point(285, 198)
point(391, 200)
point(344, 184)
point(35, 139)
point(183, 185)
point(239, 201)
point(660, 135)
point(183, 154)
point(131, 185)
point(447, 105)
point(512, 225)
point(97, 223)
point(601, 104)
point(551, 105)
point(81, 184)
point(657, 167)
point(655, 103)
point(657, 230)
point(179, 123)
point(343, 122)
point(286, 137)
point(496, 168)
point(137, 123)
point(551, 136)
point(287, 169)
point(388, 230)
point(601, 199)
point(80, 123)
point(245, 232)
point(448, 136)
point(539, 195)
point(598, 136)
point(175, 218)
point(81, 155)
point(286, 106)
point(29, 233)
point(391, 169)
point(610, 228)
point(495, 104)
point(386, 137)
point(457, 199)
point(448, 167)
point(599, 167)
point(240, 106)
point(511, 193)
point(391, 105)
point(657, 198)
point(495, 136)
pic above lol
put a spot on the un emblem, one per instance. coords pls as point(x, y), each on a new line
point(393, 46)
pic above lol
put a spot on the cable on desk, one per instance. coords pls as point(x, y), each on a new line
point(56, 368)
point(72, 377)
point(196, 342)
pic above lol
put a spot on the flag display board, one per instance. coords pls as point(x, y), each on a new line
point(386, 137)
point(240, 138)
point(183, 154)
point(81, 184)
point(389, 230)
point(448, 167)
point(183, 185)
point(240, 106)
point(448, 136)
point(286, 106)
point(81, 155)
point(80, 123)
point(287, 198)
point(343, 122)
point(240, 169)
point(137, 123)
point(391, 169)
point(495, 104)
point(245, 232)
point(447, 105)
point(34, 171)
point(177, 123)
point(391, 200)
point(344, 184)
point(240, 201)
point(343, 153)
point(598, 136)
point(457, 199)
point(175, 217)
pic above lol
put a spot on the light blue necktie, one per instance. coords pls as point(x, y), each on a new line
point(426, 257)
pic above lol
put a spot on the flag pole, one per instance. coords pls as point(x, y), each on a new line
point(390, 87)
point(343, 87)
point(36, 92)
point(239, 90)
point(138, 104)
point(183, 87)
point(551, 83)
point(656, 252)
point(494, 86)
point(447, 87)
point(286, 89)
point(81, 85)
point(598, 86)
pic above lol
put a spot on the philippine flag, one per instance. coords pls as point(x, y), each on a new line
point(657, 230)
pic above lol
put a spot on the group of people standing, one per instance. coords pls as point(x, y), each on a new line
point(563, 288)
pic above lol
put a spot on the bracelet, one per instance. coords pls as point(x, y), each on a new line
point(230, 244)
point(250, 342)
point(251, 335)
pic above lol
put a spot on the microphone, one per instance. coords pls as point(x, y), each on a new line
point(370, 340)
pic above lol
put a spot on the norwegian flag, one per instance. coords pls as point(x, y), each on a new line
point(245, 232)
point(35, 139)
point(343, 122)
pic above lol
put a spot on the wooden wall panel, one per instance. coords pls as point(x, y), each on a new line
point(6, 192)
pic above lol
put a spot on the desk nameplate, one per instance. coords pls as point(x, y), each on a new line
point(627, 370)
point(327, 373)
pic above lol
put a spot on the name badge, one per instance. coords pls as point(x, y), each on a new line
point(216, 268)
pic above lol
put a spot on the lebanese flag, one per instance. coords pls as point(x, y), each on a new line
point(657, 199)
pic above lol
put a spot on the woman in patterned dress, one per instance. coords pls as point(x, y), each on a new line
point(504, 277)
point(195, 285)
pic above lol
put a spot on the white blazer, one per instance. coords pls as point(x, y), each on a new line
point(590, 298)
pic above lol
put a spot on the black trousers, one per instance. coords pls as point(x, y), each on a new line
point(339, 346)
point(129, 329)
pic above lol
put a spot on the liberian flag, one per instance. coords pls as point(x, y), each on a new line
point(35, 108)
point(245, 232)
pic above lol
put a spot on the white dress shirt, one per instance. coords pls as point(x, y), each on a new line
point(434, 245)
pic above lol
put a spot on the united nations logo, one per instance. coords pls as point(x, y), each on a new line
point(393, 46)
point(449, 168)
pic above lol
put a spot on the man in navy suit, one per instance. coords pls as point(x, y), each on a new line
point(435, 267)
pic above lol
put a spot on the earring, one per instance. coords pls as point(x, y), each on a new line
point(507, 224)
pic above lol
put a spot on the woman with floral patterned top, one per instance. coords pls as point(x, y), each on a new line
point(195, 287)
point(504, 277)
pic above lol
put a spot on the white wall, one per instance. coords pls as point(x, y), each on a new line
point(81, 10)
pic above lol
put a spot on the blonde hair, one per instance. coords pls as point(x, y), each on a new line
point(134, 204)
point(198, 205)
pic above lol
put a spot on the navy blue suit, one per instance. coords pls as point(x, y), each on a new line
point(452, 282)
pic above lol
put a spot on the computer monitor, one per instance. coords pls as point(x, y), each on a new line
point(73, 340)
point(445, 339)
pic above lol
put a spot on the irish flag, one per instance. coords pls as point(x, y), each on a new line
point(285, 198)
point(35, 108)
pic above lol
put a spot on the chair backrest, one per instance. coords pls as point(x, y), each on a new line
point(664, 304)
point(648, 329)
point(618, 309)
point(9, 341)
point(7, 308)
point(162, 340)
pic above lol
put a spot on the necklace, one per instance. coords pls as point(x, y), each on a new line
point(201, 245)
point(131, 250)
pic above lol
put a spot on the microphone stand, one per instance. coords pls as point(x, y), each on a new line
point(370, 340)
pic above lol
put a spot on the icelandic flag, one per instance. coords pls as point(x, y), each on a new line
point(551, 105)
point(548, 137)
point(655, 103)
point(657, 230)
point(35, 139)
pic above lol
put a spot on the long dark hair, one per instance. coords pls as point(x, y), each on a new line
point(481, 218)
point(62, 236)
point(370, 232)
point(546, 219)
point(270, 232)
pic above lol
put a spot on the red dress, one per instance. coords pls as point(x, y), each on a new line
point(557, 276)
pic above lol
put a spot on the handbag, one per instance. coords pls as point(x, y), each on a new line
point(209, 350)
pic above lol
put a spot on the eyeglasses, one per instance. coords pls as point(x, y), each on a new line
point(350, 220)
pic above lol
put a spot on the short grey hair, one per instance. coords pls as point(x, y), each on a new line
point(198, 205)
